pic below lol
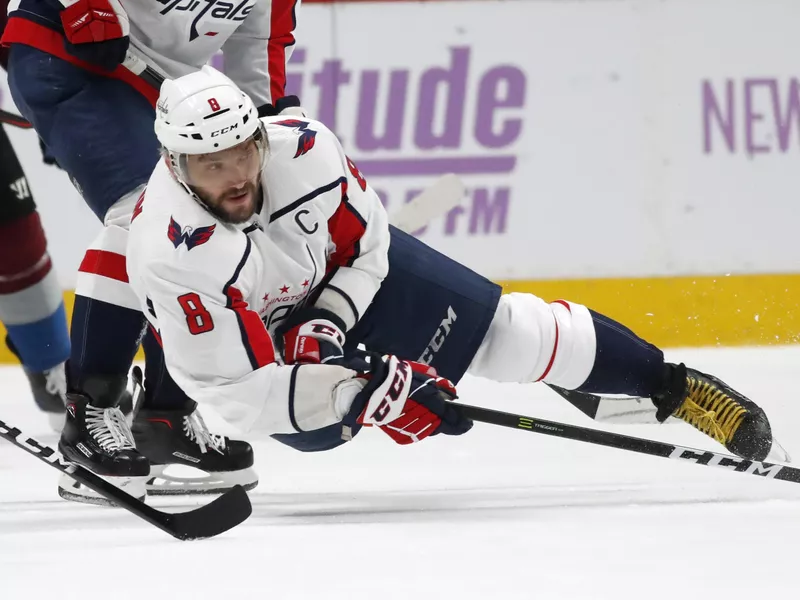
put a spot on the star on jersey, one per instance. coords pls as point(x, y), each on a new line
point(192, 237)
point(285, 289)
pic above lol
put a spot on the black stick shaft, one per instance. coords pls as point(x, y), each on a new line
point(632, 444)
point(10, 118)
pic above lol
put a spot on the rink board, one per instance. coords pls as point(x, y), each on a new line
point(604, 163)
point(693, 311)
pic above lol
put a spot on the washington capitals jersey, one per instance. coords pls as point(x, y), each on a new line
point(177, 37)
point(214, 293)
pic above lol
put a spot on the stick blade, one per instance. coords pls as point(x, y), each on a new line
point(224, 513)
point(445, 194)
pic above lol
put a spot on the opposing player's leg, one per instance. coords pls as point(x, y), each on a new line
point(31, 304)
point(462, 323)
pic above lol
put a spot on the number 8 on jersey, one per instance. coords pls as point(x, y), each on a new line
point(197, 317)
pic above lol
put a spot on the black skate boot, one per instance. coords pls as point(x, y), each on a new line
point(716, 409)
point(97, 436)
point(180, 437)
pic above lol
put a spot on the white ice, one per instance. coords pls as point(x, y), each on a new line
point(497, 513)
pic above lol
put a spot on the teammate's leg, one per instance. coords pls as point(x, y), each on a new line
point(31, 303)
point(112, 125)
point(96, 128)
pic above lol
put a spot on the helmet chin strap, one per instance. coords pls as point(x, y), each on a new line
point(175, 170)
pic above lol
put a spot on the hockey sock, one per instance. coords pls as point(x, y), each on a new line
point(624, 362)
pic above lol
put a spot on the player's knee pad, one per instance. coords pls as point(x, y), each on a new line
point(28, 285)
point(320, 440)
point(31, 302)
point(120, 213)
point(531, 340)
point(103, 273)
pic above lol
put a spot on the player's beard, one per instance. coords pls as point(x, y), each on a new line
point(228, 210)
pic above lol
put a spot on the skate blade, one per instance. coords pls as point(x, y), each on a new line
point(161, 483)
point(778, 453)
point(71, 490)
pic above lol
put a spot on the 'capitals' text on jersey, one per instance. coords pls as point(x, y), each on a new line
point(215, 10)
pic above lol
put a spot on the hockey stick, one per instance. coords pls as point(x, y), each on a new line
point(10, 118)
point(631, 444)
point(435, 200)
point(209, 520)
point(137, 66)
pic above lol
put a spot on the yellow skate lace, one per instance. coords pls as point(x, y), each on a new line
point(712, 411)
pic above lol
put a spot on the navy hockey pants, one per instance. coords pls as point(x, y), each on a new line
point(100, 130)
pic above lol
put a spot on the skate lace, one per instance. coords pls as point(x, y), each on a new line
point(195, 429)
point(109, 428)
point(56, 381)
point(712, 411)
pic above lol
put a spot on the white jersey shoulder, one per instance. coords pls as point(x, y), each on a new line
point(306, 161)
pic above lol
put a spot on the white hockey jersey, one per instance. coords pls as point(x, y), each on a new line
point(214, 292)
point(177, 37)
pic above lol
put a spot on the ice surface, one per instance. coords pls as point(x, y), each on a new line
point(494, 514)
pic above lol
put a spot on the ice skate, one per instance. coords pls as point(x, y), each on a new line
point(180, 438)
point(716, 409)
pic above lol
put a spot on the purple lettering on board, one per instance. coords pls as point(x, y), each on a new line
point(751, 117)
point(713, 113)
point(501, 87)
point(489, 215)
point(328, 79)
point(788, 120)
point(366, 136)
point(452, 83)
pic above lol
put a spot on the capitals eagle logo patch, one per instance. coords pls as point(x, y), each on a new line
point(307, 136)
point(191, 237)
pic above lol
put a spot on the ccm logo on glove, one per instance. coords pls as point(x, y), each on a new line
point(396, 391)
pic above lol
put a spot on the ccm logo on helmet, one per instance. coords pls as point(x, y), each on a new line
point(219, 132)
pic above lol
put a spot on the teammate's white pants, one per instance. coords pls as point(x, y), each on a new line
point(104, 278)
point(531, 340)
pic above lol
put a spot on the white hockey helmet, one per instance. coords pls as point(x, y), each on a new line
point(202, 113)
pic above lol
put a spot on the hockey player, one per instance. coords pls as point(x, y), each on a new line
point(96, 118)
point(31, 303)
point(263, 258)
